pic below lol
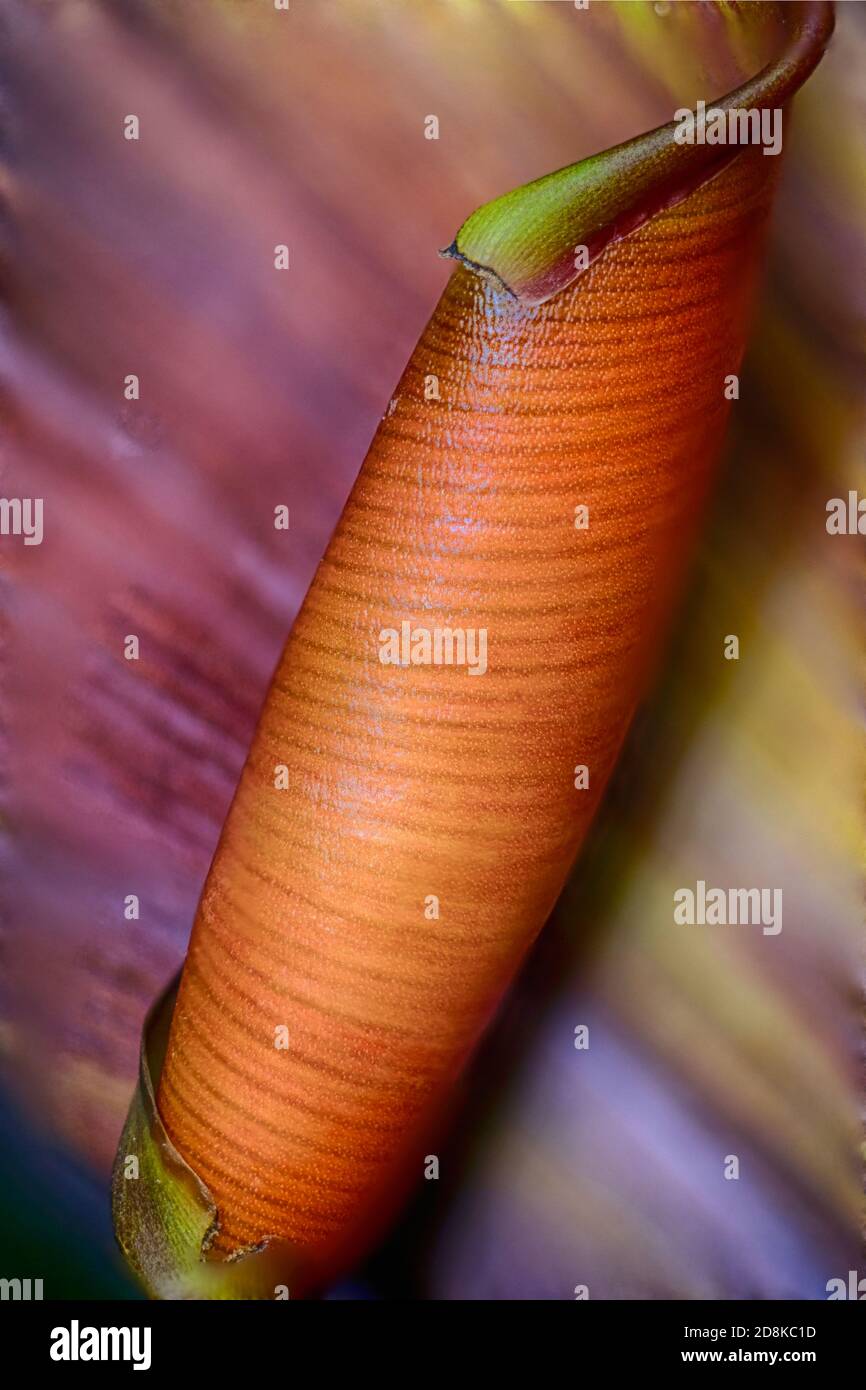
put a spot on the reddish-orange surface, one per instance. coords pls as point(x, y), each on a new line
point(404, 783)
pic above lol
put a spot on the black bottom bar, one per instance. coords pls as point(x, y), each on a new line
point(254, 1338)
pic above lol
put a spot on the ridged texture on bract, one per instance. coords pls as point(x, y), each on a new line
point(407, 782)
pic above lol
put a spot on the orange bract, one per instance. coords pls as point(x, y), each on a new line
point(407, 782)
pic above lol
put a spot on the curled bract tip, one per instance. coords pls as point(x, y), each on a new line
point(537, 239)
